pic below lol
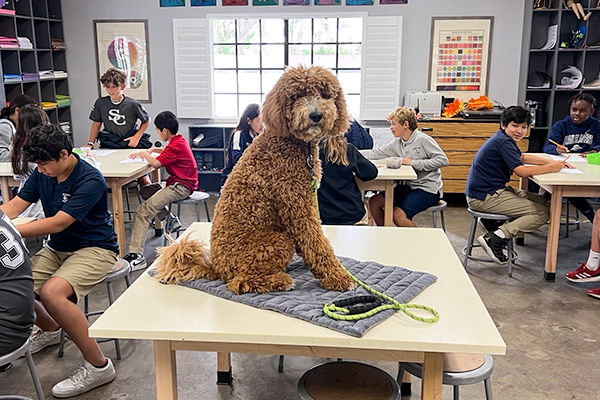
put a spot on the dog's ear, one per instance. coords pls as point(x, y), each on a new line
point(275, 109)
point(342, 122)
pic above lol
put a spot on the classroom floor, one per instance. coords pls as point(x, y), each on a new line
point(550, 330)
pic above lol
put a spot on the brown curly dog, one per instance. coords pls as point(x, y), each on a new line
point(267, 210)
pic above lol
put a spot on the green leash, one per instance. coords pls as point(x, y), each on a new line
point(337, 310)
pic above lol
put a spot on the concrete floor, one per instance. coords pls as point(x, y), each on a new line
point(550, 330)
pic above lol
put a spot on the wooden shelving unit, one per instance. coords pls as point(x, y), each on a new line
point(40, 21)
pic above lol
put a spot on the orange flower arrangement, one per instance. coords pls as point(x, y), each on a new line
point(453, 108)
point(479, 103)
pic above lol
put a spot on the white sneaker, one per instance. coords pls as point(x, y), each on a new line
point(84, 379)
point(40, 339)
point(136, 260)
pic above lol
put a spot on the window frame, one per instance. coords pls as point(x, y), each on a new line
point(210, 18)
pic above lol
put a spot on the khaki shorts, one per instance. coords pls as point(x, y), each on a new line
point(83, 269)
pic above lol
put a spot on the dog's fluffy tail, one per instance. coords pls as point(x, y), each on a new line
point(185, 260)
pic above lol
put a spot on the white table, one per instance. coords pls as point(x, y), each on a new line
point(178, 318)
point(564, 185)
point(116, 175)
point(385, 181)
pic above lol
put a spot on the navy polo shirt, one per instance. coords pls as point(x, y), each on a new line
point(83, 195)
point(493, 165)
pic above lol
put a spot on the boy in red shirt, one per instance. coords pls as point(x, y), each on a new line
point(178, 160)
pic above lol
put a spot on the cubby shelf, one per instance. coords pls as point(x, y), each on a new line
point(40, 21)
point(554, 102)
point(209, 152)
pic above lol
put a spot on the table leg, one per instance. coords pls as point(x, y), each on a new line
point(224, 376)
point(5, 189)
point(165, 367)
point(118, 221)
point(158, 225)
point(553, 233)
point(431, 385)
point(389, 204)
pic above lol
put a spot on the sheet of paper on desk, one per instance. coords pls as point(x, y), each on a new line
point(104, 152)
point(570, 170)
point(136, 160)
point(572, 159)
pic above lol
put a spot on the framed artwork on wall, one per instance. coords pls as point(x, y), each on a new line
point(460, 56)
point(265, 2)
point(123, 44)
point(201, 3)
point(295, 2)
point(172, 3)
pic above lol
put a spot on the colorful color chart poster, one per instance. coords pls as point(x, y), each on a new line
point(359, 2)
point(460, 58)
point(172, 3)
point(201, 3)
point(328, 2)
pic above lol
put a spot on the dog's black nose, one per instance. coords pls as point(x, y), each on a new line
point(315, 116)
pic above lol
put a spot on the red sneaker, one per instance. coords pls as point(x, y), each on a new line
point(583, 274)
point(594, 293)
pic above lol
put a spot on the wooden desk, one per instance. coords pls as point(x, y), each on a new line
point(179, 318)
point(116, 175)
point(385, 181)
point(564, 185)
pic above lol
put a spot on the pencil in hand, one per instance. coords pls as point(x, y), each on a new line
point(558, 145)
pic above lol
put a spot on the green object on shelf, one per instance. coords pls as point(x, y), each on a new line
point(593, 158)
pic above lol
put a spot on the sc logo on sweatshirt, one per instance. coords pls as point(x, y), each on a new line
point(65, 197)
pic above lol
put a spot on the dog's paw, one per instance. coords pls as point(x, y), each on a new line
point(339, 281)
point(261, 284)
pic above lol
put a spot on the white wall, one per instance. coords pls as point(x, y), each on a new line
point(78, 17)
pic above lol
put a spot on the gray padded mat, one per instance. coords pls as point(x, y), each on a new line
point(305, 300)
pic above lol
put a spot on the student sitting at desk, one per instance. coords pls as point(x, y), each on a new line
point(589, 271)
point(178, 160)
point(80, 253)
point(30, 116)
point(487, 189)
point(577, 133)
point(418, 150)
point(249, 127)
point(16, 291)
point(8, 123)
point(340, 199)
point(119, 115)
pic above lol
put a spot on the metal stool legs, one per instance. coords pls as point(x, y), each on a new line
point(15, 354)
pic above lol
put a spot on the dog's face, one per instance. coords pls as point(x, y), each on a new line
point(307, 103)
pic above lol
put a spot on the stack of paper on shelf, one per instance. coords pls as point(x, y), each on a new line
point(46, 105)
point(24, 42)
point(6, 11)
point(11, 77)
point(58, 74)
point(62, 100)
point(46, 74)
point(57, 44)
point(8, 42)
point(65, 126)
point(29, 76)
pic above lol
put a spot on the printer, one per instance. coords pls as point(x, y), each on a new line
point(429, 103)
